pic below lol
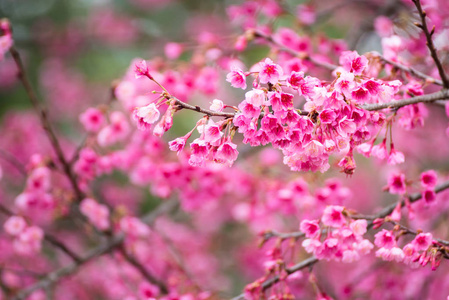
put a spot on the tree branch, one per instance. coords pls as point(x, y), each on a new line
point(429, 43)
point(43, 115)
point(13, 161)
point(268, 283)
point(389, 209)
point(406, 69)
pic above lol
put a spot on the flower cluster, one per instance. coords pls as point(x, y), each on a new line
point(334, 123)
point(343, 240)
point(27, 239)
point(420, 251)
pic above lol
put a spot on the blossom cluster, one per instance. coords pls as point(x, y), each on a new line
point(26, 239)
point(343, 240)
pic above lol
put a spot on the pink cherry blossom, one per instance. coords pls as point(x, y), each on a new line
point(14, 225)
point(92, 119)
point(333, 216)
point(429, 179)
point(269, 72)
point(396, 183)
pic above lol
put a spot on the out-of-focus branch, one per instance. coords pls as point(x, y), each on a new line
point(281, 47)
point(414, 232)
point(13, 161)
point(389, 209)
point(43, 115)
point(70, 269)
point(429, 43)
point(113, 243)
point(150, 277)
point(406, 69)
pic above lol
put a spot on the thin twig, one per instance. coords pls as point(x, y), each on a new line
point(13, 161)
point(429, 43)
point(406, 69)
point(43, 115)
point(389, 209)
point(268, 283)
point(305, 56)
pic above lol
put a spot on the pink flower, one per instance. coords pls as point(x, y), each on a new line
point(29, 240)
point(6, 40)
point(132, 226)
point(333, 216)
point(178, 144)
point(217, 105)
point(147, 115)
point(98, 214)
point(422, 241)
point(39, 180)
point(360, 95)
point(429, 179)
point(396, 184)
point(383, 26)
point(345, 82)
point(237, 78)
point(148, 290)
point(394, 253)
point(314, 148)
point(227, 153)
point(380, 150)
point(173, 50)
point(116, 131)
point(310, 228)
point(14, 225)
point(255, 97)
point(373, 87)
point(141, 69)
point(353, 62)
point(311, 245)
point(385, 239)
point(358, 227)
point(269, 72)
point(429, 196)
point(92, 119)
point(395, 157)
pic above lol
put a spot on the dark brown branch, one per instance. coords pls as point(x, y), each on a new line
point(43, 115)
point(406, 69)
point(429, 43)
